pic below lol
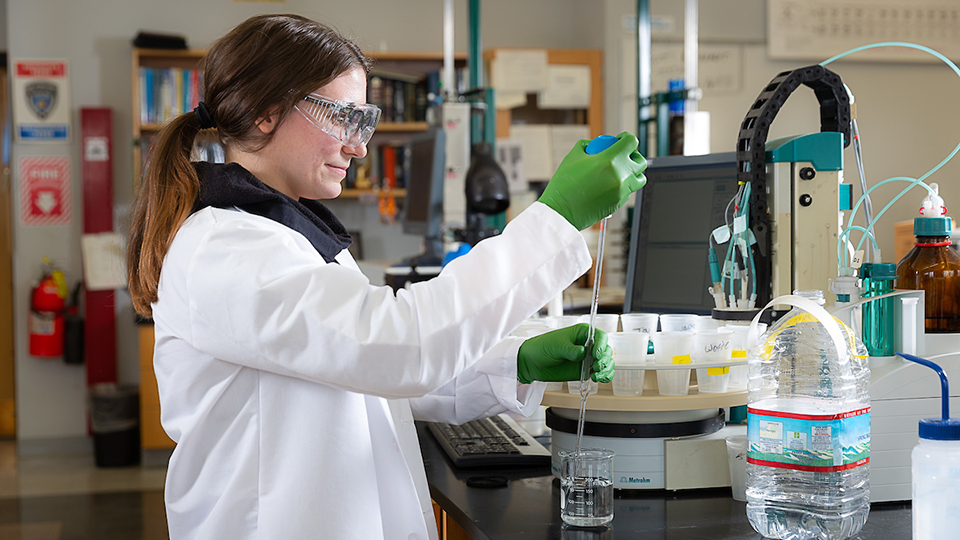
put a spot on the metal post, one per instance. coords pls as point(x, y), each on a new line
point(474, 65)
point(690, 51)
point(449, 82)
point(643, 73)
point(663, 126)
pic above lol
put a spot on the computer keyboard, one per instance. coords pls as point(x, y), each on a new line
point(495, 441)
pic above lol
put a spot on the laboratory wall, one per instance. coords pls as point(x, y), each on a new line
point(905, 113)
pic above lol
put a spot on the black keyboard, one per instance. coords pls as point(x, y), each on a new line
point(494, 441)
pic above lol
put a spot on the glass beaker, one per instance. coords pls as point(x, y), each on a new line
point(586, 487)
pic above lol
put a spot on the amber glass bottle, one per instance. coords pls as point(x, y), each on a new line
point(934, 266)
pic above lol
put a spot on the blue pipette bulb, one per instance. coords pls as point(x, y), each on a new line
point(600, 143)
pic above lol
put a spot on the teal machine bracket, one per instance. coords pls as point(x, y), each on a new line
point(485, 131)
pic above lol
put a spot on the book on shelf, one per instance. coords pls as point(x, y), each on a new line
point(385, 166)
point(167, 92)
point(403, 99)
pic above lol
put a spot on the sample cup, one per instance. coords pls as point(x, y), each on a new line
point(574, 387)
point(738, 354)
point(737, 458)
point(710, 347)
point(629, 349)
point(673, 348)
point(533, 327)
point(586, 487)
point(706, 322)
point(678, 323)
point(563, 321)
point(639, 322)
point(608, 322)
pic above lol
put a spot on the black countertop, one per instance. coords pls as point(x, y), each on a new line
point(529, 507)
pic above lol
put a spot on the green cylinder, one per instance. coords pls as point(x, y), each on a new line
point(878, 280)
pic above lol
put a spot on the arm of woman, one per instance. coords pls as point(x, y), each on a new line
point(253, 294)
point(485, 388)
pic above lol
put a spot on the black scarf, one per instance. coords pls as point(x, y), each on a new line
point(230, 185)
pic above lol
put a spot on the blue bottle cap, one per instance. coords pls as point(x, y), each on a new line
point(600, 143)
point(937, 429)
point(931, 226)
point(676, 107)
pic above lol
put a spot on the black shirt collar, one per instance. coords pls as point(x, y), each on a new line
point(230, 185)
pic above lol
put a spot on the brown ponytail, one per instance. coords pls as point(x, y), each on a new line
point(266, 64)
point(167, 193)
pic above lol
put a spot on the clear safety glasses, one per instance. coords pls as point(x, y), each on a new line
point(350, 123)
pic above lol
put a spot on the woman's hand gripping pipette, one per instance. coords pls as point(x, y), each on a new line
point(610, 161)
point(589, 185)
point(557, 355)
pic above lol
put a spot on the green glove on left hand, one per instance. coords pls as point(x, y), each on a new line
point(558, 356)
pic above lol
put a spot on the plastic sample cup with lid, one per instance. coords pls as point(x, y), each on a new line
point(673, 348)
point(711, 347)
point(629, 349)
point(738, 355)
point(678, 323)
point(563, 321)
point(592, 387)
point(608, 322)
point(586, 487)
point(737, 460)
point(639, 322)
point(533, 327)
point(706, 322)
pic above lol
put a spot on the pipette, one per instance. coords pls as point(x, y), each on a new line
point(597, 145)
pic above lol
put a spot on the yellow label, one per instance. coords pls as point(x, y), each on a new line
point(61, 282)
point(718, 370)
point(682, 359)
point(738, 353)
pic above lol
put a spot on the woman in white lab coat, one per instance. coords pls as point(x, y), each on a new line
point(288, 381)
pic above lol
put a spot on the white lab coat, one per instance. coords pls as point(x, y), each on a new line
point(291, 385)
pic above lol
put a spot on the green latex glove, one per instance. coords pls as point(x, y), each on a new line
point(587, 188)
point(558, 356)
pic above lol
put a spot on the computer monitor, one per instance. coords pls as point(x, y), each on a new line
point(423, 206)
point(682, 203)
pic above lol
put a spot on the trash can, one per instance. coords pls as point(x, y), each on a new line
point(115, 422)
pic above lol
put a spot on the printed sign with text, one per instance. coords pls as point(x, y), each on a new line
point(41, 101)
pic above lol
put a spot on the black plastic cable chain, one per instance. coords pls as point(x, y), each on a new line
point(752, 141)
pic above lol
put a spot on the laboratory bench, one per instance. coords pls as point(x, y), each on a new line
point(529, 508)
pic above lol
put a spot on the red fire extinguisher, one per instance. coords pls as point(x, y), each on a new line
point(47, 303)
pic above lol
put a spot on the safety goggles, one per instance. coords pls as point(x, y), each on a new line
point(350, 123)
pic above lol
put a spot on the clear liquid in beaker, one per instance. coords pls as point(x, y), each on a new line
point(586, 487)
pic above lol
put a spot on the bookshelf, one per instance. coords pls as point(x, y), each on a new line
point(150, 113)
point(402, 84)
point(148, 109)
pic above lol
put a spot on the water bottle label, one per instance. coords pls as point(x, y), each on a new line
point(808, 442)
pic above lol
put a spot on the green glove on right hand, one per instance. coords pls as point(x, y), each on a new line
point(587, 188)
point(558, 356)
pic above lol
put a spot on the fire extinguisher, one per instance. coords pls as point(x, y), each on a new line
point(47, 303)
